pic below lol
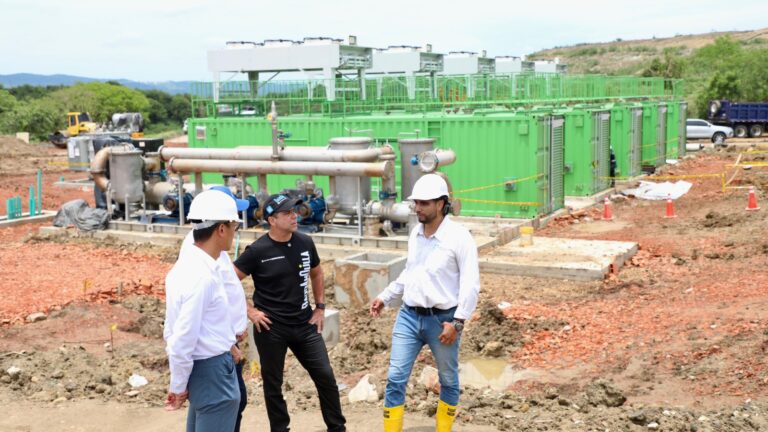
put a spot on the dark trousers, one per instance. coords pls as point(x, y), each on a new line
point(243, 395)
point(309, 348)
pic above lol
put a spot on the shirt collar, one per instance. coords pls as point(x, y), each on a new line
point(203, 256)
point(441, 232)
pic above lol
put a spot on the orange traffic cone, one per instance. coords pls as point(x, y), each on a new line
point(670, 209)
point(752, 203)
point(607, 210)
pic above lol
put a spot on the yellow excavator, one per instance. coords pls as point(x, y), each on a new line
point(80, 122)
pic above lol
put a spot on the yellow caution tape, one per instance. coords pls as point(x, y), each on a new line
point(506, 183)
point(680, 177)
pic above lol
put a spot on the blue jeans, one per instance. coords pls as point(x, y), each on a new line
point(411, 332)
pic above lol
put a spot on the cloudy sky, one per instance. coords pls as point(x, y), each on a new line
point(159, 40)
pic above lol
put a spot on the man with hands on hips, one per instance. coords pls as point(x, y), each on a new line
point(282, 263)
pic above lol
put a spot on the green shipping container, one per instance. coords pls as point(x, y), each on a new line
point(587, 151)
point(627, 138)
point(683, 133)
point(673, 131)
point(504, 160)
point(654, 135)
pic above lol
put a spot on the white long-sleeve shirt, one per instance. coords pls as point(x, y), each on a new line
point(441, 271)
point(238, 311)
point(197, 323)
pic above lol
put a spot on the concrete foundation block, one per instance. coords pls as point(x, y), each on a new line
point(359, 278)
point(548, 257)
point(24, 136)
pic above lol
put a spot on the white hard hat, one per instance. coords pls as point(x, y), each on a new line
point(429, 187)
point(213, 206)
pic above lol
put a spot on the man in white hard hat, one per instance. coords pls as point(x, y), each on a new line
point(199, 330)
point(235, 299)
point(439, 289)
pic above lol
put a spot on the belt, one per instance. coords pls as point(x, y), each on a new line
point(427, 311)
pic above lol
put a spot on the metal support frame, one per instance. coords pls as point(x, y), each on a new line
point(182, 216)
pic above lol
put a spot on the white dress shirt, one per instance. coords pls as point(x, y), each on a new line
point(238, 312)
point(197, 323)
point(441, 271)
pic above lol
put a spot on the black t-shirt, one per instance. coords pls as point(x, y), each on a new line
point(280, 272)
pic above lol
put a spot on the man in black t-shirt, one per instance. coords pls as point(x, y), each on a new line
point(282, 263)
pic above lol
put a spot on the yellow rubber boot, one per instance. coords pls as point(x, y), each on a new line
point(393, 419)
point(445, 416)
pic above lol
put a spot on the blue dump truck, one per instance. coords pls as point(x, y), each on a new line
point(746, 118)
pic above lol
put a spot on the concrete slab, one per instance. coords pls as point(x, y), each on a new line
point(491, 232)
point(26, 218)
point(582, 202)
point(84, 184)
point(548, 257)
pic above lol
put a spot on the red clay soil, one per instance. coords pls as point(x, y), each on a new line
point(41, 276)
point(691, 303)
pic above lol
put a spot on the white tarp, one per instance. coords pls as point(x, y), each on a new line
point(659, 191)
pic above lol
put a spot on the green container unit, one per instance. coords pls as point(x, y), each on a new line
point(491, 151)
point(672, 145)
point(587, 151)
point(683, 133)
point(627, 138)
point(661, 134)
point(523, 147)
point(654, 135)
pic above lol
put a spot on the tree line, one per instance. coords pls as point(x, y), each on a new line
point(41, 110)
point(725, 69)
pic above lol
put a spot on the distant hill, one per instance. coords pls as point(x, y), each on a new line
point(13, 80)
point(631, 57)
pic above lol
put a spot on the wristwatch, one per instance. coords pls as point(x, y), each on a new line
point(320, 306)
point(458, 325)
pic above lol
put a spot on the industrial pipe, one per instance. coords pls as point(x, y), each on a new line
point(431, 160)
point(694, 147)
point(356, 169)
point(306, 154)
point(99, 164)
point(396, 212)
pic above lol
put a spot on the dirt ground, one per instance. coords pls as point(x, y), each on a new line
point(674, 341)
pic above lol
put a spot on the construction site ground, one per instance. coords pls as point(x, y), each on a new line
point(675, 341)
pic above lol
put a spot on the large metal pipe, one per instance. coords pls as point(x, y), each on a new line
point(99, 164)
point(396, 212)
point(356, 169)
point(308, 154)
point(410, 151)
point(431, 160)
